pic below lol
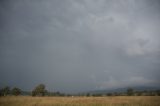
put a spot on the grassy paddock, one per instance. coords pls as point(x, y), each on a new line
point(80, 101)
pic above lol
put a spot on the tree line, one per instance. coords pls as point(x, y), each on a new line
point(128, 92)
point(7, 91)
point(40, 90)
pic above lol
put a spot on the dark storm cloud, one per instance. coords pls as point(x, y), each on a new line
point(75, 46)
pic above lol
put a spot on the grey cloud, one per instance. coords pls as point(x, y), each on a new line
point(75, 46)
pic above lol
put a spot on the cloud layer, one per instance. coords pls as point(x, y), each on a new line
point(75, 46)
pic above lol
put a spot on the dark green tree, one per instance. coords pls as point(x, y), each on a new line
point(109, 94)
point(88, 94)
point(1, 92)
point(5, 91)
point(130, 92)
point(158, 92)
point(16, 91)
point(39, 90)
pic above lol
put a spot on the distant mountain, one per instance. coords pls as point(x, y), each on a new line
point(119, 90)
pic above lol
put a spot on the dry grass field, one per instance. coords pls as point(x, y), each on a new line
point(80, 101)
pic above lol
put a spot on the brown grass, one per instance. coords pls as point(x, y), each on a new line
point(80, 101)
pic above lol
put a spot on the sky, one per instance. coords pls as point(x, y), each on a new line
point(79, 45)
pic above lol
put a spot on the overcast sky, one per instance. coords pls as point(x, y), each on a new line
point(79, 45)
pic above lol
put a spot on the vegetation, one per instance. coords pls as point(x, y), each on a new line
point(129, 98)
point(5, 91)
point(39, 90)
point(16, 91)
point(80, 101)
point(130, 92)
